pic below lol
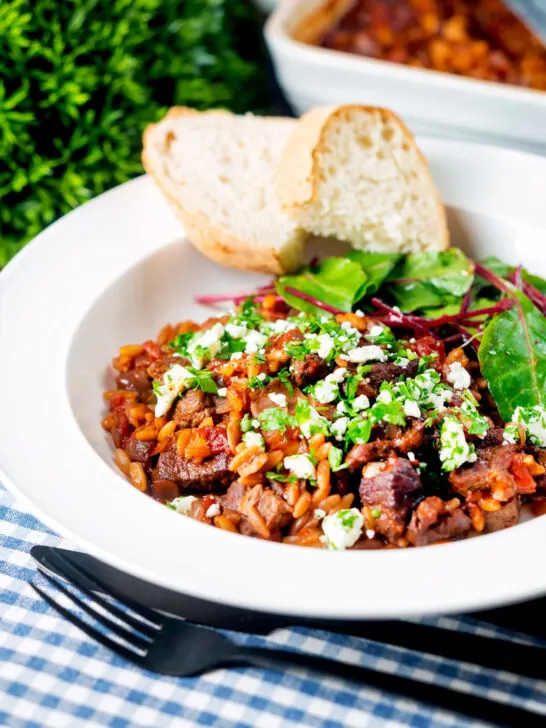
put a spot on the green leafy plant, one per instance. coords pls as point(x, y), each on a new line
point(80, 79)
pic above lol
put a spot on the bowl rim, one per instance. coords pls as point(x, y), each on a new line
point(277, 35)
point(414, 573)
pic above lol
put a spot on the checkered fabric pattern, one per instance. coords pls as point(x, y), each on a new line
point(51, 674)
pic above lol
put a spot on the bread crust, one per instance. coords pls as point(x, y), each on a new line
point(213, 241)
point(298, 174)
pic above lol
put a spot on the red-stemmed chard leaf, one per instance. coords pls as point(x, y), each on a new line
point(512, 352)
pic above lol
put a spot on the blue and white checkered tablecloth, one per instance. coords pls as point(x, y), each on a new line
point(51, 674)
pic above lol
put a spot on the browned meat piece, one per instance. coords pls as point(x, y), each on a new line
point(273, 510)
point(505, 517)
point(139, 450)
point(493, 437)
point(404, 441)
point(309, 370)
point(432, 522)
point(359, 455)
point(191, 409)
point(384, 373)
point(539, 453)
point(165, 490)
point(490, 472)
point(410, 439)
point(260, 400)
point(135, 380)
point(271, 507)
point(157, 368)
point(233, 496)
point(392, 488)
point(211, 475)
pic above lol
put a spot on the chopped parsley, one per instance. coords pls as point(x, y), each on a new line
point(275, 418)
point(358, 431)
point(246, 424)
point(204, 380)
point(335, 458)
point(180, 342)
point(281, 478)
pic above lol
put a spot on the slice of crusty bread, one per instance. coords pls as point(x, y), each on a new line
point(219, 172)
point(355, 173)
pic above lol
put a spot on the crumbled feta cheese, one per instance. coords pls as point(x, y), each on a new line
point(402, 361)
point(375, 331)
point(412, 340)
point(341, 409)
point(339, 427)
point(313, 421)
point(183, 504)
point(222, 392)
point(411, 408)
point(254, 439)
point(366, 353)
point(411, 456)
point(205, 345)
point(385, 397)
point(359, 312)
point(254, 341)
point(338, 375)
point(458, 376)
point(261, 376)
point(236, 355)
point(278, 398)
point(511, 435)
point(255, 423)
point(213, 510)
point(319, 513)
point(533, 420)
point(326, 344)
point(361, 403)
point(343, 529)
point(236, 331)
point(280, 326)
point(175, 380)
point(301, 466)
point(325, 391)
point(454, 449)
point(370, 533)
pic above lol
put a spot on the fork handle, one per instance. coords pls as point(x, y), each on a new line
point(436, 696)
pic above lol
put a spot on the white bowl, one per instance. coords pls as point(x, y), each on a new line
point(431, 103)
point(112, 272)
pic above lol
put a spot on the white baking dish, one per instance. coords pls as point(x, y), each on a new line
point(431, 103)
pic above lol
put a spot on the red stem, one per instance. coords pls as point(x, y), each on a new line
point(315, 301)
point(532, 293)
point(410, 322)
point(494, 279)
point(516, 277)
point(236, 298)
point(503, 305)
point(467, 300)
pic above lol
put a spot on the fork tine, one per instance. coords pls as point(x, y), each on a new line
point(88, 629)
point(66, 569)
point(121, 630)
point(62, 562)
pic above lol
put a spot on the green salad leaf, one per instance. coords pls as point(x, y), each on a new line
point(512, 357)
point(338, 282)
point(452, 309)
point(377, 267)
point(431, 279)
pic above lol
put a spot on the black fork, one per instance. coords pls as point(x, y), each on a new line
point(171, 646)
